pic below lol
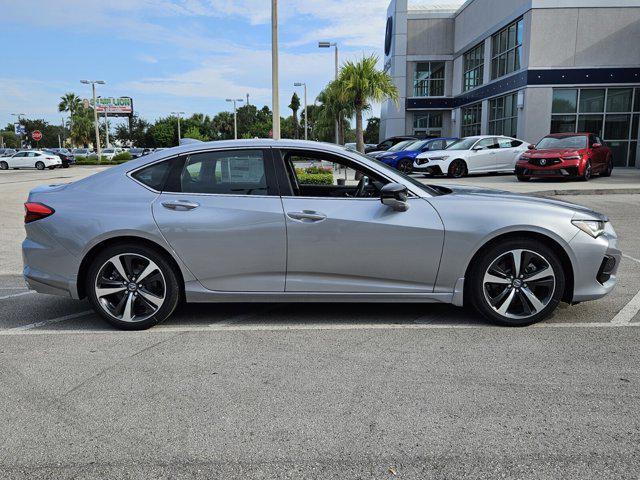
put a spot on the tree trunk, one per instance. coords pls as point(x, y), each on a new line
point(359, 131)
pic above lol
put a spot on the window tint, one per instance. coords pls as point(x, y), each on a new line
point(155, 176)
point(240, 172)
point(487, 143)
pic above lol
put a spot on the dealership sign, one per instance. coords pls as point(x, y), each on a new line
point(19, 129)
point(121, 106)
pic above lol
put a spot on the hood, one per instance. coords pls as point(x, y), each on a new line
point(552, 152)
point(400, 154)
point(517, 197)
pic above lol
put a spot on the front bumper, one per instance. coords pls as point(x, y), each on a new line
point(427, 166)
point(593, 278)
point(564, 169)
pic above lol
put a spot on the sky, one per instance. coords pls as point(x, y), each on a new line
point(175, 55)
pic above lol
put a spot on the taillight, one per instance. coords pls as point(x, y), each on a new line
point(36, 211)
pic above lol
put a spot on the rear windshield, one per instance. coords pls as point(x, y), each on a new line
point(569, 141)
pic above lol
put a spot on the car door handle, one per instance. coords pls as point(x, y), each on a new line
point(180, 205)
point(307, 216)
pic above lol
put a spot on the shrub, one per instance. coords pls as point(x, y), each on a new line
point(315, 178)
point(122, 157)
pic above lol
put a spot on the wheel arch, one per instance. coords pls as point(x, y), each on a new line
point(557, 247)
point(83, 270)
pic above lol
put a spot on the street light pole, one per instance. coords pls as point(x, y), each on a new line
point(235, 116)
point(19, 115)
point(306, 119)
point(177, 114)
point(275, 96)
point(95, 112)
point(106, 127)
point(335, 45)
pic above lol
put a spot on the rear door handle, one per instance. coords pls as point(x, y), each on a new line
point(180, 205)
point(307, 216)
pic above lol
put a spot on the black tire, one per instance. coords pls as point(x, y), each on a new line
point(586, 175)
point(405, 166)
point(51, 168)
point(40, 165)
point(457, 169)
point(66, 165)
point(607, 171)
point(522, 178)
point(172, 287)
point(479, 297)
point(4, 165)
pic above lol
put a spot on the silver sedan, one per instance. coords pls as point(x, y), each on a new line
point(294, 221)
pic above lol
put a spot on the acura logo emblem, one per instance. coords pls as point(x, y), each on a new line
point(543, 161)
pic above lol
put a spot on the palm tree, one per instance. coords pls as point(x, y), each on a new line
point(295, 106)
point(333, 108)
point(69, 102)
point(360, 83)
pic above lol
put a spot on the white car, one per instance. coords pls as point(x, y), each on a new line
point(31, 159)
point(480, 154)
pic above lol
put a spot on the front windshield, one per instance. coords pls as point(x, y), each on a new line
point(384, 167)
point(568, 141)
point(401, 145)
point(462, 144)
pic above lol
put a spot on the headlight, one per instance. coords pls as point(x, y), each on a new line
point(595, 228)
point(524, 158)
point(443, 157)
point(391, 157)
point(571, 157)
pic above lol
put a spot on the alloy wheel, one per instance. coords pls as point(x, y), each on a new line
point(405, 166)
point(519, 284)
point(130, 287)
point(457, 169)
point(4, 166)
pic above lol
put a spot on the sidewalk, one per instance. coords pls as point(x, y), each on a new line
point(622, 180)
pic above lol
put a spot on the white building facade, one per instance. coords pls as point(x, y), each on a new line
point(522, 68)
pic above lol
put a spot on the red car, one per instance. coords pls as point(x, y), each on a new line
point(566, 155)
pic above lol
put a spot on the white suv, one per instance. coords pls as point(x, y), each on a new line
point(479, 154)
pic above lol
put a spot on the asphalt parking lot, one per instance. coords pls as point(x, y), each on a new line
point(317, 391)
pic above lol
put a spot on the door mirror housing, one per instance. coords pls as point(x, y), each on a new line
point(596, 145)
point(395, 195)
point(477, 148)
point(531, 147)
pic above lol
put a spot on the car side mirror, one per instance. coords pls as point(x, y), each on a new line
point(476, 149)
point(531, 147)
point(596, 145)
point(395, 195)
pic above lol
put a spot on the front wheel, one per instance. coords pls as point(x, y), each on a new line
point(586, 175)
point(516, 283)
point(405, 166)
point(4, 165)
point(522, 178)
point(40, 165)
point(457, 169)
point(132, 287)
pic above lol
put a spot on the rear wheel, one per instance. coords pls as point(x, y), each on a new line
point(4, 165)
point(40, 165)
point(517, 282)
point(405, 166)
point(457, 169)
point(607, 171)
point(132, 287)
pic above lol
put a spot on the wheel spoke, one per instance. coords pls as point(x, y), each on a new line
point(103, 292)
point(539, 275)
point(151, 267)
point(117, 264)
point(507, 303)
point(490, 278)
point(152, 299)
point(537, 304)
point(517, 261)
point(127, 314)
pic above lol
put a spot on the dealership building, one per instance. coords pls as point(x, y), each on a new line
point(522, 68)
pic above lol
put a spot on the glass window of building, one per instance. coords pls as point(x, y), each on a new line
point(427, 124)
point(605, 112)
point(471, 120)
point(506, 50)
point(503, 115)
point(473, 65)
point(428, 79)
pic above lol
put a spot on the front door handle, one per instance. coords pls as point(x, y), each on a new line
point(180, 205)
point(307, 216)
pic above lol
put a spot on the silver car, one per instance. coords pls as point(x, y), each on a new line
point(296, 221)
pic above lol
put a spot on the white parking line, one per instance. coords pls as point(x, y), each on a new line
point(629, 311)
point(630, 257)
point(31, 326)
point(17, 295)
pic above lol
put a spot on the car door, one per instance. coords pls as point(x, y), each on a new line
point(338, 242)
point(598, 155)
point(508, 153)
point(221, 213)
point(482, 157)
point(17, 160)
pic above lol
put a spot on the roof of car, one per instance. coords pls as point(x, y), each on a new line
point(567, 134)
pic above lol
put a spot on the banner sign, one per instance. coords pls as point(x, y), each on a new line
point(19, 129)
point(122, 106)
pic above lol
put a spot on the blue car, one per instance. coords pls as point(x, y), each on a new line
point(403, 159)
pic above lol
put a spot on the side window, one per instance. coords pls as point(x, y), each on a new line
point(508, 143)
point(386, 144)
point(316, 174)
point(449, 142)
point(487, 143)
point(235, 172)
point(437, 145)
point(592, 140)
point(155, 176)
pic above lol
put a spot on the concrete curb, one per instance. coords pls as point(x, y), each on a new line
point(594, 191)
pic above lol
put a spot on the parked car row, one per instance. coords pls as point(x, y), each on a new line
point(39, 159)
point(562, 155)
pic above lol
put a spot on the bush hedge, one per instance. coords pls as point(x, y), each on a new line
point(315, 178)
point(117, 159)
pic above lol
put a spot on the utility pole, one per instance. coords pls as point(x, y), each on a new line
point(335, 45)
point(248, 99)
point(19, 115)
point(235, 116)
point(275, 96)
point(95, 112)
point(177, 114)
point(306, 119)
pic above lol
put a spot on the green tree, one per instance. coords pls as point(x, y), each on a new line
point(222, 125)
point(194, 132)
point(135, 133)
point(360, 83)
point(163, 133)
point(9, 138)
point(82, 129)
point(372, 132)
point(295, 106)
point(334, 107)
point(69, 102)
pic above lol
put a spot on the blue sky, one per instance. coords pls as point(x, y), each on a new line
point(170, 55)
